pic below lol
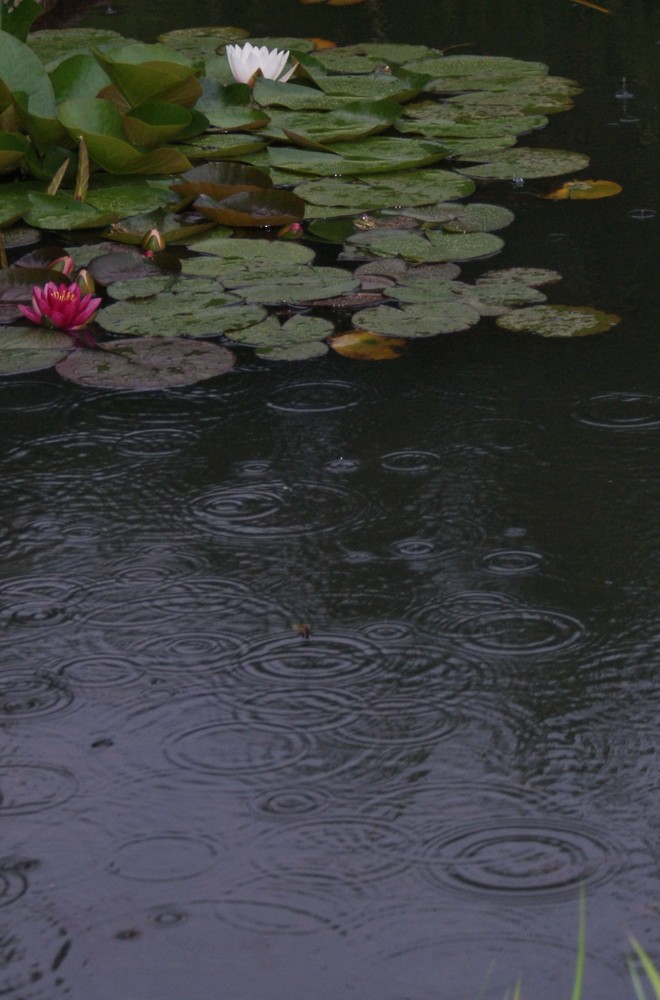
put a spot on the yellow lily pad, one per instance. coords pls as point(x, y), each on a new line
point(584, 189)
point(367, 346)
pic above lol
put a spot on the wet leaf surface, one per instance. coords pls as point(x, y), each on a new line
point(559, 321)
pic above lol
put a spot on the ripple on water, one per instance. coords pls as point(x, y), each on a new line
point(522, 858)
point(13, 879)
point(274, 509)
point(100, 671)
point(306, 709)
point(411, 462)
point(64, 457)
point(26, 694)
point(619, 411)
point(167, 857)
point(26, 395)
point(180, 650)
point(512, 562)
point(344, 850)
point(295, 801)
point(427, 800)
point(157, 442)
point(328, 656)
point(235, 750)
point(493, 623)
point(306, 396)
point(31, 788)
point(36, 602)
point(402, 721)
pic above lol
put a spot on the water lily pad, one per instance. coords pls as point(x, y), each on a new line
point(62, 211)
point(13, 147)
point(149, 363)
point(366, 346)
point(27, 350)
point(471, 218)
point(353, 121)
point(364, 58)
point(144, 73)
point(255, 208)
point(255, 254)
point(306, 284)
point(176, 313)
point(298, 339)
point(271, 93)
point(533, 276)
point(125, 263)
point(559, 321)
point(430, 247)
point(419, 187)
point(229, 108)
point(197, 44)
point(417, 320)
point(356, 159)
point(379, 86)
point(584, 190)
point(527, 163)
point(216, 146)
point(53, 44)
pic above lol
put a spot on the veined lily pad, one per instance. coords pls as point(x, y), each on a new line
point(173, 228)
point(154, 124)
point(584, 190)
point(304, 285)
point(533, 276)
point(197, 44)
point(356, 159)
point(298, 339)
point(364, 58)
point(271, 93)
point(78, 76)
point(62, 211)
point(353, 121)
point(27, 350)
point(13, 147)
point(378, 87)
point(417, 320)
point(150, 363)
point(527, 163)
point(178, 314)
point(53, 44)
point(214, 146)
point(419, 187)
point(559, 321)
point(471, 218)
point(119, 265)
point(431, 247)
point(254, 254)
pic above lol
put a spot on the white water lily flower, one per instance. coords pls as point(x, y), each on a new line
point(246, 62)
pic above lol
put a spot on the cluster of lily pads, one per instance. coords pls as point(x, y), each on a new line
point(344, 152)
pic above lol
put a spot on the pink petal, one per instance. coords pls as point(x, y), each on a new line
point(32, 314)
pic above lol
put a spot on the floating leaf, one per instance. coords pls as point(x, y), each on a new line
point(51, 45)
point(219, 180)
point(304, 285)
point(527, 275)
point(119, 265)
point(296, 340)
point(417, 320)
point(419, 187)
point(578, 190)
point(197, 44)
point(28, 350)
point(177, 313)
point(430, 247)
point(472, 218)
point(527, 163)
point(144, 73)
point(366, 156)
point(13, 147)
point(149, 363)
point(367, 346)
point(253, 208)
point(214, 146)
point(559, 321)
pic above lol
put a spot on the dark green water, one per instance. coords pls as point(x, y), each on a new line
point(197, 802)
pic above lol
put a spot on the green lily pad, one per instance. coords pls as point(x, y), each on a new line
point(119, 265)
point(254, 255)
point(306, 284)
point(13, 147)
point(412, 321)
point(198, 44)
point(527, 163)
point(419, 187)
point(456, 73)
point(27, 350)
point(149, 363)
point(78, 76)
point(140, 288)
point(180, 229)
point(353, 121)
point(144, 73)
point(472, 218)
point(229, 108)
point(53, 44)
point(62, 211)
point(559, 321)
point(364, 58)
point(430, 247)
point(356, 159)
point(533, 276)
point(445, 120)
point(296, 97)
point(298, 339)
point(214, 146)
point(380, 86)
point(176, 313)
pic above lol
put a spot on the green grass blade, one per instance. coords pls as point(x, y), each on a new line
point(652, 973)
point(636, 981)
point(582, 939)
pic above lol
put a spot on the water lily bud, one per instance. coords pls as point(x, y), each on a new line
point(291, 232)
point(63, 264)
point(85, 282)
point(153, 242)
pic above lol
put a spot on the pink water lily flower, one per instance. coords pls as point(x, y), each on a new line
point(63, 307)
point(246, 62)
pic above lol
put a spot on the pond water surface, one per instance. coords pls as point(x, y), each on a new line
point(198, 802)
